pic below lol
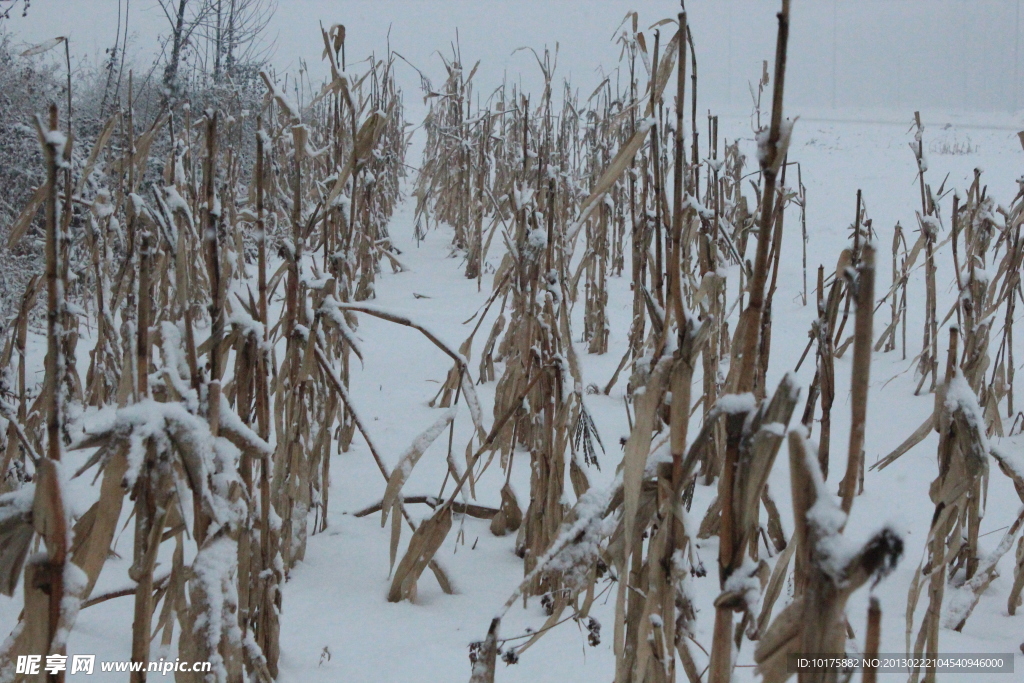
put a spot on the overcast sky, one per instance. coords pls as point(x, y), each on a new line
point(948, 55)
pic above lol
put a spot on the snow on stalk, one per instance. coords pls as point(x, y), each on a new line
point(218, 251)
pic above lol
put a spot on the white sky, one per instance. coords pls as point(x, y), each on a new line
point(951, 55)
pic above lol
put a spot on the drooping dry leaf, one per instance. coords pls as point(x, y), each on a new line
point(409, 459)
point(15, 535)
point(97, 149)
point(20, 226)
point(423, 545)
point(396, 534)
point(638, 447)
point(44, 46)
point(510, 516)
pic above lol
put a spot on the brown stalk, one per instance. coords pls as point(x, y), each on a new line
point(862, 343)
point(720, 668)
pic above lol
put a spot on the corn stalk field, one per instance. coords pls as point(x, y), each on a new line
point(348, 381)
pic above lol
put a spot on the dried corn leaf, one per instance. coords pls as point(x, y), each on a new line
point(616, 168)
point(917, 437)
point(396, 534)
point(409, 459)
point(775, 584)
point(44, 46)
point(15, 535)
point(639, 446)
point(783, 638)
point(24, 220)
point(665, 68)
point(510, 516)
point(486, 655)
point(97, 149)
point(423, 545)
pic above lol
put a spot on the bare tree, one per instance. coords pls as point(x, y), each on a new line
point(230, 34)
point(8, 6)
point(235, 32)
point(184, 16)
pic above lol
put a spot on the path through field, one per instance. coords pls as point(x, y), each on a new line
point(337, 624)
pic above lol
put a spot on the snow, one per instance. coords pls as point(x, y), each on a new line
point(176, 203)
point(75, 581)
point(332, 310)
point(933, 225)
point(959, 395)
point(57, 140)
point(17, 502)
point(214, 579)
point(336, 597)
point(735, 404)
point(744, 581)
point(283, 99)
point(537, 239)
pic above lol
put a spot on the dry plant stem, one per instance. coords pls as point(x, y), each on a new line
point(268, 599)
point(47, 577)
point(752, 314)
point(862, 342)
point(211, 249)
point(695, 152)
point(675, 291)
point(815, 622)
point(211, 237)
point(658, 272)
point(803, 227)
point(429, 536)
point(854, 259)
point(681, 379)
point(720, 668)
point(54, 287)
point(391, 317)
point(962, 462)
point(150, 517)
point(147, 529)
point(872, 639)
point(477, 511)
point(828, 309)
point(145, 312)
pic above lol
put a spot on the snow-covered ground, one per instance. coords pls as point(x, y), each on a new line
point(336, 598)
point(337, 624)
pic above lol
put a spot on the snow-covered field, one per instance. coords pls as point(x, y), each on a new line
point(337, 624)
point(336, 598)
